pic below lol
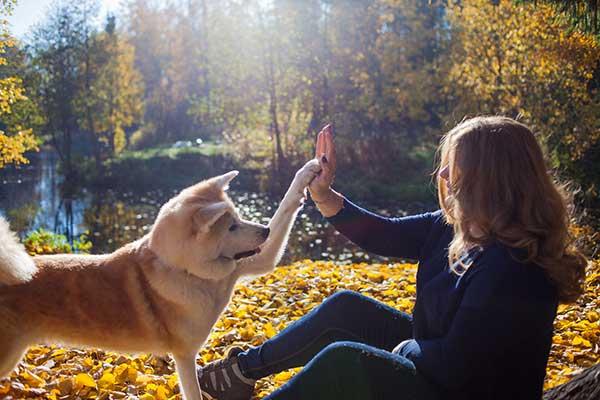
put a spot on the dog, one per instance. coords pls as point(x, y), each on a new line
point(160, 294)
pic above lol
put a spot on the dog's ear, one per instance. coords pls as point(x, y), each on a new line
point(206, 217)
point(223, 180)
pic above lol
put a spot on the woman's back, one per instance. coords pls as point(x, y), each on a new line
point(485, 334)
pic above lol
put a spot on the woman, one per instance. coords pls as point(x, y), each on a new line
point(494, 262)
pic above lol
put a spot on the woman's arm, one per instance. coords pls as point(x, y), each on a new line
point(393, 237)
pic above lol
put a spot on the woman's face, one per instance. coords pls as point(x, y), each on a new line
point(445, 175)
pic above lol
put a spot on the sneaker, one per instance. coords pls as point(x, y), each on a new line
point(223, 380)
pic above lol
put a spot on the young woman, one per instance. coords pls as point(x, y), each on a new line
point(494, 262)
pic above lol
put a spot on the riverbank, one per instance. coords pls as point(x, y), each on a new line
point(173, 168)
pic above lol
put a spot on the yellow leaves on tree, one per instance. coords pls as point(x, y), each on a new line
point(14, 140)
point(113, 103)
point(13, 147)
point(524, 59)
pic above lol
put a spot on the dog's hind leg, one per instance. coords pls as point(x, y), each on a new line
point(188, 380)
point(281, 224)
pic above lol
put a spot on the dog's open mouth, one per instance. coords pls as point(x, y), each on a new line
point(245, 254)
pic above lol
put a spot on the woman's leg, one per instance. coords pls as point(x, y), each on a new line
point(349, 370)
point(344, 316)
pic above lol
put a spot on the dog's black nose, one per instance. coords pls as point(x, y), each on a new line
point(266, 232)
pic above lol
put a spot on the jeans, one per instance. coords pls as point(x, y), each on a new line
point(345, 346)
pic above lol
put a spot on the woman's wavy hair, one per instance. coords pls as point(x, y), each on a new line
point(499, 181)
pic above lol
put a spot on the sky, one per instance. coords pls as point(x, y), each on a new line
point(29, 12)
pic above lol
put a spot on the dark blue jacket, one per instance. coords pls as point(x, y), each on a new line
point(483, 335)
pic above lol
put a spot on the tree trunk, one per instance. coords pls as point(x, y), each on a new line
point(584, 386)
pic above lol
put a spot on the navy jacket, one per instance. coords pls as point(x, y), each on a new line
point(483, 335)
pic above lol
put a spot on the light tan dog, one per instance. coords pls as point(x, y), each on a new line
point(161, 294)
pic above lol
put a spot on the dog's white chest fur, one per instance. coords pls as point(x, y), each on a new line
point(202, 300)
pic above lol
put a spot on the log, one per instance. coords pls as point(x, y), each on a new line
point(583, 386)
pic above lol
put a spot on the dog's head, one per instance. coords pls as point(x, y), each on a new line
point(200, 225)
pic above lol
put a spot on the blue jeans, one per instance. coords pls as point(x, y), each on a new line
point(345, 345)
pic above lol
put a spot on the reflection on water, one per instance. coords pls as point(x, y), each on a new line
point(30, 197)
point(120, 218)
point(34, 196)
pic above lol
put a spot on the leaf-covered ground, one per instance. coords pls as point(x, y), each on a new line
point(259, 310)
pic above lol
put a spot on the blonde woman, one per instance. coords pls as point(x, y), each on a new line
point(494, 262)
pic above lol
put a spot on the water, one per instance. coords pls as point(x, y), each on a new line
point(33, 197)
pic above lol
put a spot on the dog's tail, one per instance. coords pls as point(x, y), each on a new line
point(16, 266)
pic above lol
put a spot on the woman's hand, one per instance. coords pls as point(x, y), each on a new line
point(328, 201)
point(325, 153)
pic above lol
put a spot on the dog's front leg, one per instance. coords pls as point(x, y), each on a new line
point(185, 364)
point(281, 223)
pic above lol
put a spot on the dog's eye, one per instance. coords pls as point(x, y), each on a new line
point(233, 227)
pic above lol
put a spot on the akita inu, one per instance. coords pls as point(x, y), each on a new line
point(160, 294)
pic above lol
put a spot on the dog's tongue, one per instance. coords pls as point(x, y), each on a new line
point(245, 254)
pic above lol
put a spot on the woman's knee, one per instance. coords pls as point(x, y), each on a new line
point(340, 353)
point(348, 352)
point(344, 300)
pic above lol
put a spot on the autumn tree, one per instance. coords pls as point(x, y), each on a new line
point(110, 100)
point(583, 14)
point(15, 137)
point(56, 51)
point(523, 60)
point(166, 45)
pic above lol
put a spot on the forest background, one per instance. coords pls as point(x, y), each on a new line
point(255, 80)
point(125, 105)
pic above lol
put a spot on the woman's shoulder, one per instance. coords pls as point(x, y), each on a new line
point(505, 258)
point(436, 217)
point(507, 269)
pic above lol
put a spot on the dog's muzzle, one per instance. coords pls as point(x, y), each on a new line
point(245, 254)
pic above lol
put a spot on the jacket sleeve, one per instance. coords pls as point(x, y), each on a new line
point(392, 237)
point(490, 316)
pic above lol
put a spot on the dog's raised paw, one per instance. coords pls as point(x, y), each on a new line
point(307, 173)
point(297, 191)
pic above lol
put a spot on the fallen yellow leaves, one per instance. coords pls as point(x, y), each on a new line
point(259, 310)
point(576, 341)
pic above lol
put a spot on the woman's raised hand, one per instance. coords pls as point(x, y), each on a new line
point(320, 187)
point(328, 201)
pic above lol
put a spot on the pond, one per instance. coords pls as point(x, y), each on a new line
point(33, 196)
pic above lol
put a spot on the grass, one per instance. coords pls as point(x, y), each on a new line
point(207, 149)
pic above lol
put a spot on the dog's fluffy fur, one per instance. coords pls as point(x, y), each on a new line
point(160, 294)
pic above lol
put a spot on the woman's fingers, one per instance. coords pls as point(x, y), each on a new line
point(327, 172)
point(321, 184)
point(319, 147)
point(324, 147)
point(330, 149)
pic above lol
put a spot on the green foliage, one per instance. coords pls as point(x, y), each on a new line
point(42, 241)
point(584, 14)
point(206, 149)
point(21, 218)
point(162, 168)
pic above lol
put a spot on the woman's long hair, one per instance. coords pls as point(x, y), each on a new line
point(499, 183)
